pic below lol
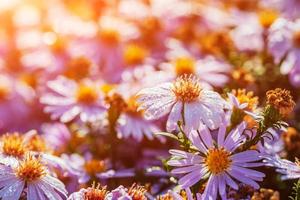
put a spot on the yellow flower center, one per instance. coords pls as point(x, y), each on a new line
point(134, 54)
point(110, 36)
point(86, 94)
point(78, 68)
point(296, 39)
point(246, 97)
point(13, 145)
point(242, 76)
point(137, 192)
point(36, 143)
point(187, 88)
point(218, 160)
point(131, 107)
point(29, 79)
point(95, 193)
point(30, 169)
point(94, 166)
point(267, 17)
point(106, 88)
point(184, 65)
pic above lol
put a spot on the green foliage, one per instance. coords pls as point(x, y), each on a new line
point(296, 191)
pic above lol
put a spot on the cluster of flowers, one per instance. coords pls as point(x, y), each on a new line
point(98, 95)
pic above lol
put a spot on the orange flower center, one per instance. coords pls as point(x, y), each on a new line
point(30, 169)
point(86, 94)
point(218, 160)
point(13, 145)
point(246, 97)
point(134, 54)
point(4, 92)
point(95, 193)
point(296, 39)
point(132, 107)
point(36, 143)
point(187, 88)
point(137, 192)
point(110, 36)
point(78, 68)
point(94, 166)
point(267, 17)
point(184, 65)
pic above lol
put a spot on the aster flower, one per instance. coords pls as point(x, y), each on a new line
point(57, 135)
point(14, 147)
point(243, 100)
point(85, 168)
point(134, 192)
point(90, 193)
point(219, 163)
point(32, 175)
point(186, 101)
point(248, 34)
point(288, 169)
point(210, 70)
point(70, 100)
point(243, 104)
point(133, 123)
point(284, 42)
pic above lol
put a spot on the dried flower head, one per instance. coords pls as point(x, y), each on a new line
point(281, 100)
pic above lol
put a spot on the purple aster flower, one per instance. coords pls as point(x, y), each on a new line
point(248, 35)
point(85, 168)
point(288, 169)
point(94, 192)
point(185, 101)
point(219, 163)
point(133, 123)
point(70, 100)
point(209, 70)
point(284, 42)
point(57, 135)
point(32, 175)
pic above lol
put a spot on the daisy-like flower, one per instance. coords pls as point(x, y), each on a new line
point(14, 146)
point(85, 169)
point(186, 101)
point(243, 100)
point(288, 169)
point(30, 174)
point(284, 40)
point(90, 193)
point(135, 192)
point(69, 100)
point(219, 163)
point(133, 123)
point(209, 70)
